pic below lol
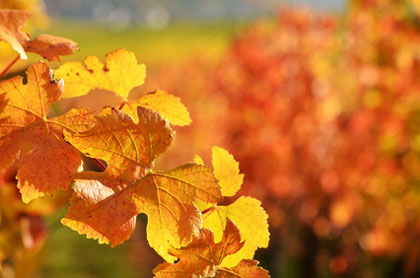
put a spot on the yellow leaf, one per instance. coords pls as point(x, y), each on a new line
point(251, 219)
point(168, 106)
point(120, 74)
point(104, 208)
point(203, 257)
point(226, 170)
point(104, 205)
point(198, 160)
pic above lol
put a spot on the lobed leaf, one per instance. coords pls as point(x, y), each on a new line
point(104, 205)
point(168, 106)
point(120, 74)
point(251, 219)
point(49, 47)
point(245, 212)
point(226, 170)
point(129, 148)
point(245, 269)
point(45, 161)
point(105, 209)
point(202, 258)
point(11, 23)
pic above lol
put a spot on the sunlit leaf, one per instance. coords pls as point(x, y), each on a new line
point(45, 161)
point(251, 219)
point(104, 205)
point(202, 258)
point(120, 74)
point(168, 106)
point(226, 170)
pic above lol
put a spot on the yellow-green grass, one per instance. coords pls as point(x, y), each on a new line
point(176, 42)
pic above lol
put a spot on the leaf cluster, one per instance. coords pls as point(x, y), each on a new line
point(125, 141)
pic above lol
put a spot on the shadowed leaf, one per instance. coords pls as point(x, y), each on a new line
point(202, 258)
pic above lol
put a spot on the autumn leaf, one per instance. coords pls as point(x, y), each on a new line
point(168, 106)
point(49, 47)
point(198, 160)
point(11, 23)
point(245, 269)
point(27, 136)
point(203, 258)
point(104, 205)
point(245, 212)
point(251, 219)
point(129, 148)
point(226, 170)
point(120, 74)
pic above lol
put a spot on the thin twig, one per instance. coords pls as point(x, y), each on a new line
point(9, 66)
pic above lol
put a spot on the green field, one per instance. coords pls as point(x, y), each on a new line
point(175, 43)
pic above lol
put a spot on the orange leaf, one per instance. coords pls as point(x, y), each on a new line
point(129, 148)
point(104, 205)
point(202, 258)
point(45, 161)
point(49, 47)
point(245, 269)
point(11, 23)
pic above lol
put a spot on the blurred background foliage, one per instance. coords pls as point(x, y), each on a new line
point(319, 103)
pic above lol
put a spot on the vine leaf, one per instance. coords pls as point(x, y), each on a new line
point(104, 205)
point(245, 269)
point(168, 106)
point(198, 160)
point(129, 148)
point(45, 161)
point(50, 47)
point(11, 23)
point(120, 74)
point(251, 220)
point(226, 170)
point(203, 258)
point(245, 212)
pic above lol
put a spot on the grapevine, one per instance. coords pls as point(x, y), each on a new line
point(47, 153)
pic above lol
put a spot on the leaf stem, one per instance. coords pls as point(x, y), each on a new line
point(6, 69)
point(208, 209)
point(122, 105)
point(98, 163)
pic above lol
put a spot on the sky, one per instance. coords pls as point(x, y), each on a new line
point(137, 11)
